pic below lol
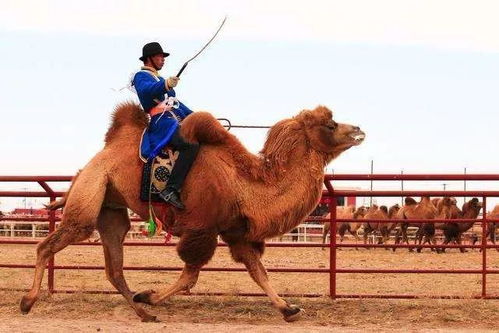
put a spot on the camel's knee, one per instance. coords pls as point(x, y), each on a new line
point(192, 277)
point(196, 247)
point(62, 237)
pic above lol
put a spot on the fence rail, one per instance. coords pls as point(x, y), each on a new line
point(333, 269)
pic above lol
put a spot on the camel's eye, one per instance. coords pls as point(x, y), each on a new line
point(331, 126)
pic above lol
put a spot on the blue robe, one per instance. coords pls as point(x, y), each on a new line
point(151, 89)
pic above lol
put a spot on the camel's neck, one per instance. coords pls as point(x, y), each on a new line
point(469, 214)
point(287, 200)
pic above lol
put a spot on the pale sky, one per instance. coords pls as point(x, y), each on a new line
point(419, 77)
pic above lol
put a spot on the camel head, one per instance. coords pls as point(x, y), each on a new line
point(309, 131)
point(473, 205)
point(393, 211)
point(327, 136)
point(360, 212)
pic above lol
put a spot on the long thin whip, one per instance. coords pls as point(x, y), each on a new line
point(204, 47)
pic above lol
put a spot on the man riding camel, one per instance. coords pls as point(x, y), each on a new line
point(158, 99)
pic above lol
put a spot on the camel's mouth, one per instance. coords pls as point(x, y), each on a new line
point(358, 137)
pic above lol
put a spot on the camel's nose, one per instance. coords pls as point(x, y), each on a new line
point(356, 128)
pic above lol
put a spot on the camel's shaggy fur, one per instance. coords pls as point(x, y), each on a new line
point(230, 192)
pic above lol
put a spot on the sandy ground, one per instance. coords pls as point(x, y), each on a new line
point(84, 312)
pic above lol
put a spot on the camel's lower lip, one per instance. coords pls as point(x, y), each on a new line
point(358, 137)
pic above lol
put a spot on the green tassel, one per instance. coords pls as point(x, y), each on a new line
point(151, 225)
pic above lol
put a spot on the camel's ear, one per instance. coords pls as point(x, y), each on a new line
point(319, 115)
point(324, 112)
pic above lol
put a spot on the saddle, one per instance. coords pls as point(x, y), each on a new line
point(155, 175)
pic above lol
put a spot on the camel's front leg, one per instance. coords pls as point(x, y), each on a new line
point(195, 248)
point(113, 224)
point(249, 254)
point(186, 281)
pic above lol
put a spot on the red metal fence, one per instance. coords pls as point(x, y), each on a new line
point(333, 270)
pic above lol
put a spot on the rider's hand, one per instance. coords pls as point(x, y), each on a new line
point(172, 81)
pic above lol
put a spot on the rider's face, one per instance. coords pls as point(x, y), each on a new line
point(158, 60)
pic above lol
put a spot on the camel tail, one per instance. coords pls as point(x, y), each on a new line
point(202, 127)
point(60, 203)
point(56, 204)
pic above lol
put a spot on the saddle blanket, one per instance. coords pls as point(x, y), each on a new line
point(155, 175)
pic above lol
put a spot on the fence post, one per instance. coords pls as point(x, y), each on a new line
point(51, 261)
point(484, 248)
point(332, 243)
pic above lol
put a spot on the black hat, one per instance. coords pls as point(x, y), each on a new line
point(151, 49)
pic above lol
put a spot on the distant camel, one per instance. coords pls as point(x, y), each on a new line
point(382, 228)
point(345, 212)
point(454, 231)
point(413, 210)
point(492, 226)
point(445, 209)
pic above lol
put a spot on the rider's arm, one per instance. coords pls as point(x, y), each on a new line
point(146, 85)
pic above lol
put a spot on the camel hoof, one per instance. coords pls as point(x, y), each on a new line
point(292, 313)
point(143, 297)
point(150, 319)
point(26, 304)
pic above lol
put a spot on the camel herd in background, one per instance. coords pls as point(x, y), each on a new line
point(437, 208)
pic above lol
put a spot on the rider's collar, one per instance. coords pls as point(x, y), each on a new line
point(150, 69)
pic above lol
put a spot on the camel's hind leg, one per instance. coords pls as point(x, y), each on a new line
point(78, 222)
point(113, 224)
point(327, 228)
point(249, 254)
point(54, 243)
point(195, 248)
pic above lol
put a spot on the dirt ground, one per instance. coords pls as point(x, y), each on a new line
point(85, 312)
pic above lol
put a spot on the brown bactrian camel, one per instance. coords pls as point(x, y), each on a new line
point(414, 210)
point(345, 212)
point(381, 213)
point(242, 197)
point(454, 231)
point(445, 209)
point(491, 226)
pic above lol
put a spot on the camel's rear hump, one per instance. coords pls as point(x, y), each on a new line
point(202, 127)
